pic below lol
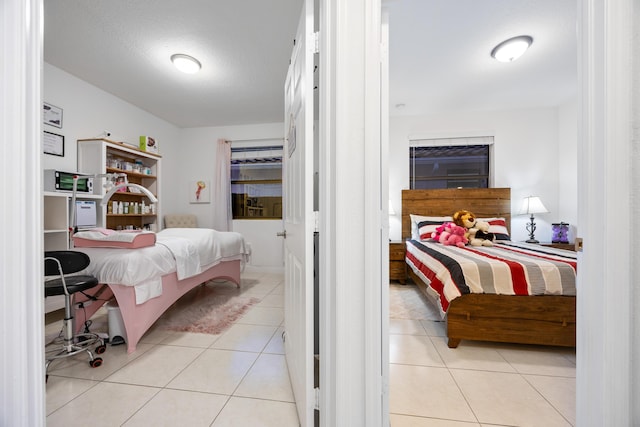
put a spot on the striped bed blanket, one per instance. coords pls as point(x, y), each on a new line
point(507, 268)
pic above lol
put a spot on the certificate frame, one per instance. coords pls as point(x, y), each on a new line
point(51, 115)
point(53, 144)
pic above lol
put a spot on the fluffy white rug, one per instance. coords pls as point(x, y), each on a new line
point(207, 309)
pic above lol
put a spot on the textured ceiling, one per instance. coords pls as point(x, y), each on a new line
point(439, 54)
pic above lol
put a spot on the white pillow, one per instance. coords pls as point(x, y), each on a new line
point(417, 219)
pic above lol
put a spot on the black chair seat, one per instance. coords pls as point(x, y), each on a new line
point(59, 265)
point(74, 284)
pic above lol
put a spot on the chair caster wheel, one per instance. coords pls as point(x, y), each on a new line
point(95, 362)
point(101, 349)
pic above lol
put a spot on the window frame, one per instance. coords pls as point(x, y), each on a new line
point(249, 149)
point(484, 139)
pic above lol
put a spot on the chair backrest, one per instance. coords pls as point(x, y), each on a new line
point(71, 262)
point(180, 221)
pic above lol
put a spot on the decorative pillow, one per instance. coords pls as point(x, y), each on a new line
point(431, 222)
point(497, 226)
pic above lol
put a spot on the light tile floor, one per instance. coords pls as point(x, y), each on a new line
point(240, 378)
point(476, 384)
point(237, 378)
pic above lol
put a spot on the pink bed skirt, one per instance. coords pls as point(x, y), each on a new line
point(139, 318)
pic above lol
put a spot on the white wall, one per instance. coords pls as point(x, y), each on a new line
point(568, 167)
point(192, 158)
point(187, 154)
point(534, 154)
point(88, 111)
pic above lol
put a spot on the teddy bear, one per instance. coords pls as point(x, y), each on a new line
point(450, 234)
point(477, 231)
point(480, 235)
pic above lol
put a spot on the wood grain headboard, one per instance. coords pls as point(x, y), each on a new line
point(484, 202)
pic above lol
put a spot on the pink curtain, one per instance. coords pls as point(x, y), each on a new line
point(221, 191)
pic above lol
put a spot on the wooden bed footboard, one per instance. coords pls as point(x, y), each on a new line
point(542, 319)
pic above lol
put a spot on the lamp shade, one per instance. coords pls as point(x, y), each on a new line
point(532, 205)
point(391, 211)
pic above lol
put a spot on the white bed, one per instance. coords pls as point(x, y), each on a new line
point(148, 280)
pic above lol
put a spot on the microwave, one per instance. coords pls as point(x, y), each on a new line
point(55, 180)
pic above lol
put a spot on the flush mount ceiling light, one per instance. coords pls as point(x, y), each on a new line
point(512, 49)
point(185, 63)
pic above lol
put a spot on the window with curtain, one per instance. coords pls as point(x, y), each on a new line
point(437, 163)
point(256, 182)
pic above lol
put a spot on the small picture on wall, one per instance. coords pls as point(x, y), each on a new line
point(199, 192)
point(51, 115)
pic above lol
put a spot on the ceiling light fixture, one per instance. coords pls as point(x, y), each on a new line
point(185, 63)
point(512, 49)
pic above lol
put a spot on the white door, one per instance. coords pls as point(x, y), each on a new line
point(298, 217)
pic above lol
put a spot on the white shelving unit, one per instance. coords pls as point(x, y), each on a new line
point(56, 221)
point(56, 235)
point(101, 156)
point(56, 216)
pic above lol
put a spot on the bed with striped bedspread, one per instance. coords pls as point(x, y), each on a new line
point(507, 268)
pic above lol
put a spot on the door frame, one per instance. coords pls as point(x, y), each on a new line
point(352, 389)
point(608, 334)
point(22, 396)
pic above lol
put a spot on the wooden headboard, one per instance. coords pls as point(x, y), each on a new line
point(484, 202)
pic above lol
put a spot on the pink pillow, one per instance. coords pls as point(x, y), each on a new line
point(120, 240)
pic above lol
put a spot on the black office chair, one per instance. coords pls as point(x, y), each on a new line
point(63, 264)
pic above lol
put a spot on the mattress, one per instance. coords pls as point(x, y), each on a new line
point(507, 268)
point(187, 252)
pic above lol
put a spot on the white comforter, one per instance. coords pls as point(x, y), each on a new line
point(186, 251)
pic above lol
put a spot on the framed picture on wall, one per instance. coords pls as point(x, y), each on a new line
point(199, 192)
point(52, 115)
point(53, 144)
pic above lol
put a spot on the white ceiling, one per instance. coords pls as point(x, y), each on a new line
point(439, 54)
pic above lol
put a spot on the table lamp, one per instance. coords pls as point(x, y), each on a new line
point(532, 205)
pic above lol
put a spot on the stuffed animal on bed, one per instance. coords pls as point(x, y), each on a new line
point(477, 231)
point(450, 234)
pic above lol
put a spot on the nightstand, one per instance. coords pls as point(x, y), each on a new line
point(397, 265)
point(566, 246)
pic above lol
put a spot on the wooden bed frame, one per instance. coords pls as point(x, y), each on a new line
point(544, 319)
